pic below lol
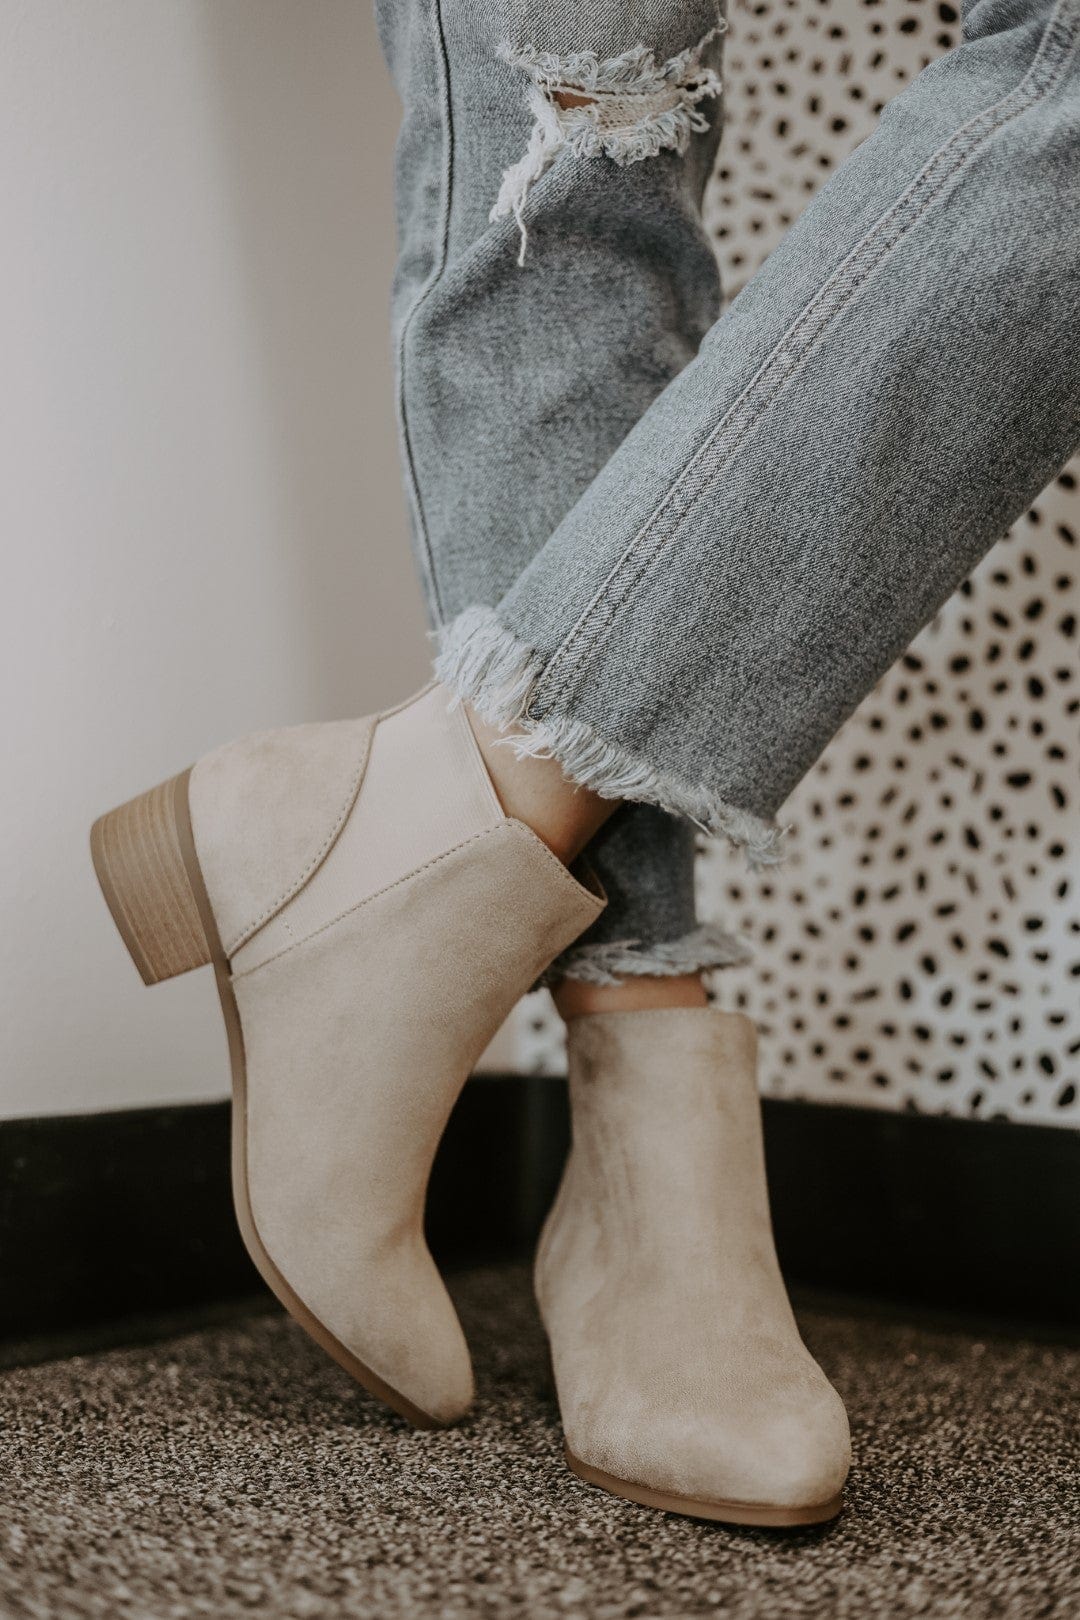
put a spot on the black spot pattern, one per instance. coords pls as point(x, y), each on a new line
point(804, 82)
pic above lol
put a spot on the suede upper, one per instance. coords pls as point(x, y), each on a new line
point(385, 916)
point(677, 1359)
point(358, 1042)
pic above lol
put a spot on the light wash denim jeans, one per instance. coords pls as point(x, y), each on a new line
point(674, 554)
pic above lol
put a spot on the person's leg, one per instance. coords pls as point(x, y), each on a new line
point(882, 400)
point(517, 381)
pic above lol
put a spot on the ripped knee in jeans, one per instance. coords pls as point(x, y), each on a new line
point(626, 108)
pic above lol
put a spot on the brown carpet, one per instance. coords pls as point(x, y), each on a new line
point(236, 1471)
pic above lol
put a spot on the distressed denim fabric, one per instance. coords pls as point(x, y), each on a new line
point(881, 402)
point(518, 381)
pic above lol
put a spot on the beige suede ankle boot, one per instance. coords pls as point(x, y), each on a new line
point(682, 1379)
point(372, 917)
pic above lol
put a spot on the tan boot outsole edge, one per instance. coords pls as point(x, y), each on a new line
point(748, 1513)
point(166, 810)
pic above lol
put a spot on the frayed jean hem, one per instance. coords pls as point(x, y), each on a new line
point(483, 662)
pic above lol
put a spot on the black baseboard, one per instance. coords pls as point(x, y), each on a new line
point(110, 1215)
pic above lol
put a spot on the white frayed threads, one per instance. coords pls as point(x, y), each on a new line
point(483, 662)
point(637, 108)
point(480, 660)
point(699, 951)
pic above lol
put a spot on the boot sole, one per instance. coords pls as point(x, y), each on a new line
point(758, 1513)
point(147, 867)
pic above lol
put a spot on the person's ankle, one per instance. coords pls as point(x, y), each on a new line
point(535, 791)
point(574, 998)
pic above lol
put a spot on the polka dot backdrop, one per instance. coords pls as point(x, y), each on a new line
point(921, 948)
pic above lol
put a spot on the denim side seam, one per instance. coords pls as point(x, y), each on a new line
point(792, 353)
point(423, 539)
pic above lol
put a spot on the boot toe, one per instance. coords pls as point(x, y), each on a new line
point(769, 1440)
point(396, 1317)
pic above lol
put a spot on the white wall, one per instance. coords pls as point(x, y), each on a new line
point(199, 503)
